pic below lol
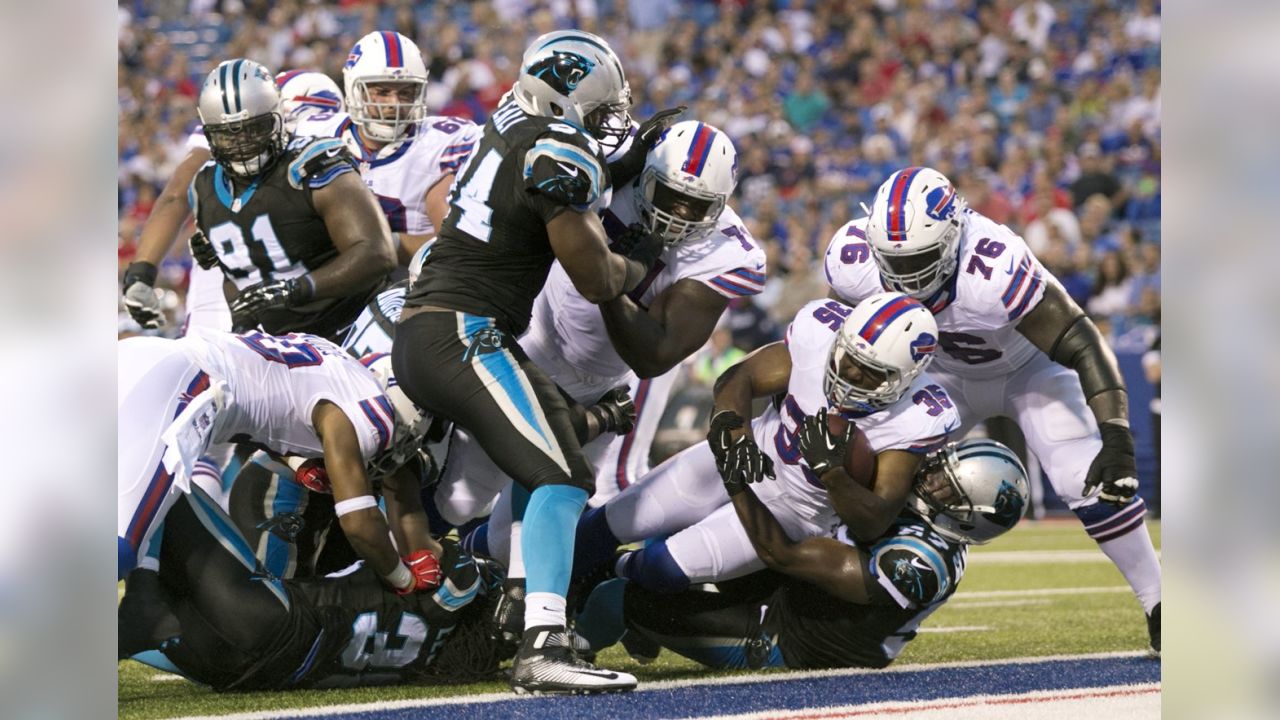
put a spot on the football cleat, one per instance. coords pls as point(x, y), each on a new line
point(1153, 629)
point(144, 619)
point(547, 664)
point(640, 647)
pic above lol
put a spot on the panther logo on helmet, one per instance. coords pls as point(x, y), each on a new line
point(1008, 505)
point(562, 70)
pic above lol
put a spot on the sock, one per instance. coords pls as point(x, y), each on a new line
point(1135, 556)
point(477, 541)
point(126, 558)
point(549, 523)
point(542, 609)
point(600, 622)
point(653, 569)
point(515, 569)
point(595, 542)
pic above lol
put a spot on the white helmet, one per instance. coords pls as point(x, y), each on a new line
point(914, 229)
point(239, 107)
point(891, 338)
point(306, 92)
point(412, 422)
point(575, 76)
point(972, 491)
point(687, 179)
point(385, 57)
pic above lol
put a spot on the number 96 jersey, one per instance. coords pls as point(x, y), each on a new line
point(997, 282)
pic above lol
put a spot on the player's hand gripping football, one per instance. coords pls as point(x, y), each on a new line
point(253, 300)
point(140, 295)
point(1114, 468)
point(425, 568)
point(202, 250)
point(822, 450)
point(740, 462)
point(615, 412)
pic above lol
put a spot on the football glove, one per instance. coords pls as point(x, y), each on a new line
point(1114, 469)
point(202, 250)
point(719, 436)
point(425, 567)
point(821, 449)
point(615, 412)
point(639, 244)
point(253, 300)
point(744, 463)
point(140, 295)
point(628, 167)
point(312, 475)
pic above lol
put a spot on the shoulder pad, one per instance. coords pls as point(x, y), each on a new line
point(318, 162)
point(914, 573)
point(564, 170)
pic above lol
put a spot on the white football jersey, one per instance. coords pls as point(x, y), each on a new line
point(727, 260)
point(998, 281)
point(919, 422)
point(400, 174)
point(274, 384)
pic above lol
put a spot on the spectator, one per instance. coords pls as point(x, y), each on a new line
point(1113, 290)
point(1095, 178)
point(718, 355)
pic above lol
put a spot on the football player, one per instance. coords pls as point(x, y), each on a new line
point(865, 364)
point(407, 158)
point(293, 395)
point(836, 601)
point(290, 223)
point(528, 195)
point(219, 618)
point(1014, 344)
point(303, 93)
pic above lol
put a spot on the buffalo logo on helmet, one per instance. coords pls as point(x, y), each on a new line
point(562, 70)
point(354, 56)
point(924, 344)
point(941, 202)
point(1008, 505)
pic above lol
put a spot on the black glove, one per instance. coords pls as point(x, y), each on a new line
point(202, 250)
point(744, 463)
point(626, 168)
point(250, 303)
point(821, 449)
point(640, 245)
point(1114, 468)
point(140, 295)
point(615, 412)
point(719, 437)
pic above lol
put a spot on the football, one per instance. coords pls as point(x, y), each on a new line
point(859, 459)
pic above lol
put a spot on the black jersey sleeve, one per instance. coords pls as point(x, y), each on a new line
point(315, 162)
point(563, 170)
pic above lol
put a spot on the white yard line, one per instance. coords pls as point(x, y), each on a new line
point(1027, 557)
point(1039, 592)
point(954, 628)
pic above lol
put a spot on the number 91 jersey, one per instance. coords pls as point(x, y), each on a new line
point(997, 282)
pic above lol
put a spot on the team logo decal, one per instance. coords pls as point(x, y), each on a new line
point(562, 70)
point(923, 345)
point(940, 202)
point(356, 52)
point(1008, 505)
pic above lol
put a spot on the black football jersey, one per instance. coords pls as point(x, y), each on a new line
point(493, 252)
point(270, 230)
point(917, 567)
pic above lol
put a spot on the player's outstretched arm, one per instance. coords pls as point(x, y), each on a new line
point(763, 373)
point(836, 568)
point(868, 513)
point(675, 326)
point(359, 231)
point(580, 244)
point(1063, 331)
point(358, 514)
point(402, 494)
point(171, 210)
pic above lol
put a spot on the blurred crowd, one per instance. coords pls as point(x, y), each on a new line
point(1045, 115)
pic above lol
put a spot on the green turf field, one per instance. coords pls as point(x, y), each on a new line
point(1043, 589)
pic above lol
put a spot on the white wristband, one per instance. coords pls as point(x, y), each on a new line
point(351, 505)
point(400, 578)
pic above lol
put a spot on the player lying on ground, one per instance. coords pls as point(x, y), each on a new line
point(219, 618)
point(830, 601)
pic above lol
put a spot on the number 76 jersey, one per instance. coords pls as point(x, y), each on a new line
point(997, 282)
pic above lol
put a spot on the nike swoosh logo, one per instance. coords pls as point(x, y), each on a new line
point(604, 675)
point(1010, 270)
point(572, 170)
point(917, 562)
point(333, 152)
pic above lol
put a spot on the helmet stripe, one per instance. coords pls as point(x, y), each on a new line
point(235, 81)
point(897, 220)
point(316, 100)
point(699, 150)
point(222, 81)
point(395, 55)
point(283, 78)
point(881, 318)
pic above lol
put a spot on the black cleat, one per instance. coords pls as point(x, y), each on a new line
point(547, 664)
point(1153, 629)
point(640, 647)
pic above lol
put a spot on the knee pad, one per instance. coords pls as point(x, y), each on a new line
point(654, 569)
point(1105, 521)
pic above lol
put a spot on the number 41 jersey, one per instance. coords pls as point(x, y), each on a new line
point(997, 282)
point(270, 230)
point(493, 253)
